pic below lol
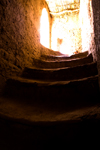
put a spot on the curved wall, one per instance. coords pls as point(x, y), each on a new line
point(20, 35)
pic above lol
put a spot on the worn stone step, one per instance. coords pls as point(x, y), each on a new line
point(64, 57)
point(61, 74)
point(63, 63)
point(63, 91)
point(28, 127)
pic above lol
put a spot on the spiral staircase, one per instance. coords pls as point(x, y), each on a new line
point(52, 104)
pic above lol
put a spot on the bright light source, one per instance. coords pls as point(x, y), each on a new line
point(65, 34)
point(70, 1)
point(85, 24)
point(44, 29)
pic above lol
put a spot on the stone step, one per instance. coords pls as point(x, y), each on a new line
point(25, 127)
point(64, 57)
point(68, 92)
point(63, 63)
point(61, 74)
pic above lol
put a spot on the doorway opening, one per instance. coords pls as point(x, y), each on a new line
point(72, 28)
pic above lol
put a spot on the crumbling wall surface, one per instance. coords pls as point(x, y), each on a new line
point(96, 17)
point(19, 34)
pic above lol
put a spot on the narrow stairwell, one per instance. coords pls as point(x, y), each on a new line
point(64, 57)
point(50, 64)
point(52, 105)
point(71, 84)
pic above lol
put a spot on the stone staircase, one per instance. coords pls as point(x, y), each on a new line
point(61, 62)
point(69, 80)
point(64, 57)
point(53, 105)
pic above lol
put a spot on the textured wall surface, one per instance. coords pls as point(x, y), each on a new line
point(96, 16)
point(87, 27)
point(20, 34)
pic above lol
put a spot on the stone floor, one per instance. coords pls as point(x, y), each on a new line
point(39, 115)
point(48, 112)
point(48, 126)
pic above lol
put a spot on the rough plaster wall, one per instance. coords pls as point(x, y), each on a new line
point(66, 27)
point(20, 35)
point(20, 39)
point(96, 16)
point(87, 28)
point(92, 48)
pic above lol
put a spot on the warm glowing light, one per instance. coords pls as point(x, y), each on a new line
point(70, 1)
point(65, 35)
point(44, 29)
point(67, 48)
point(85, 24)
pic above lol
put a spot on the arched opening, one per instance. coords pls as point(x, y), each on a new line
point(72, 26)
point(66, 27)
point(44, 28)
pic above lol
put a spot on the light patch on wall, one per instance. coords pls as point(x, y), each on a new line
point(66, 29)
point(44, 29)
point(86, 24)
